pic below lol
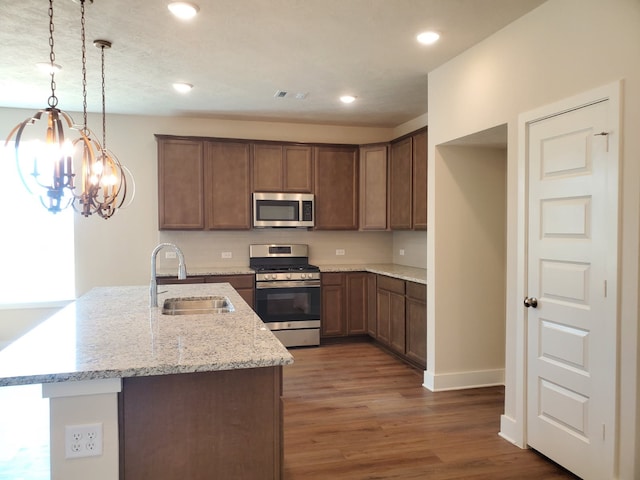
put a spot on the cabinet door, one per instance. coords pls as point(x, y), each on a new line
point(372, 313)
point(228, 186)
point(297, 168)
point(336, 188)
point(383, 309)
point(333, 323)
point(180, 184)
point(373, 187)
point(356, 303)
point(267, 168)
point(419, 213)
point(416, 323)
point(397, 323)
point(400, 185)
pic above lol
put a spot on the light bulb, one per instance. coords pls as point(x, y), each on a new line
point(428, 38)
point(183, 10)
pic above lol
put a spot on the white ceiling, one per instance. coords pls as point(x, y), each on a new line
point(238, 53)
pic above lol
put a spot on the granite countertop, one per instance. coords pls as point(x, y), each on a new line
point(198, 271)
point(412, 274)
point(111, 332)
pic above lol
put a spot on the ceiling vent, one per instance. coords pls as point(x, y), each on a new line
point(280, 94)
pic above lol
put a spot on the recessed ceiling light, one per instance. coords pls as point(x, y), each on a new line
point(48, 67)
point(347, 99)
point(428, 38)
point(182, 87)
point(183, 10)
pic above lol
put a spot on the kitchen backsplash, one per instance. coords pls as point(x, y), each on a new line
point(231, 248)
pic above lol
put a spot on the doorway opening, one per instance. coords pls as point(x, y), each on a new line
point(467, 344)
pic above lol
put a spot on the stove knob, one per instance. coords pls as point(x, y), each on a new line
point(288, 276)
point(304, 275)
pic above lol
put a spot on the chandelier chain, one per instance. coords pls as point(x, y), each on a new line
point(84, 67)
point(53, 100)
point(104, 118)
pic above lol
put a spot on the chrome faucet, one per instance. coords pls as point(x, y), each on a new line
point(182, 271)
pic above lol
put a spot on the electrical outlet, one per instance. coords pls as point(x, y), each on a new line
point(340, 251)
point(402, 252)
point(83, 440)
point(169, 254)
point(227, 255)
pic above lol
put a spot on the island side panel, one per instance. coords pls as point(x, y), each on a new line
point(208, 425)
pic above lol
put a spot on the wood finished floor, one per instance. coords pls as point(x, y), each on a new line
point(352, 411)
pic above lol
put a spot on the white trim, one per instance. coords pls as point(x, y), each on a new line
point(509, 430)
point(515, 429)
point(463, 380)
point(81, 387)
point(35, 305)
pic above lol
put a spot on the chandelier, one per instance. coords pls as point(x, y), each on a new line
point(116, 178)
point(50, 161)
point(64, 172)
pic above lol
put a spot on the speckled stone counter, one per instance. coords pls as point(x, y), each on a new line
point(201, 271)
point(111, 332)
point(412, 274)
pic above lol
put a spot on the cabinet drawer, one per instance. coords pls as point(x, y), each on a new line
point(417, 291)
point(331, 278)
point(391, 284)
point(236, 281)
point(174, 280)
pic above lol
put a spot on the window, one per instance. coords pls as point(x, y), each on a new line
point(36, 247)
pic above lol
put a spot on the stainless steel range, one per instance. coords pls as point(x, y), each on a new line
point(287, 292)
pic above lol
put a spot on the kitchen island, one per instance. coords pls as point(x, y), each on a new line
point(195, 396)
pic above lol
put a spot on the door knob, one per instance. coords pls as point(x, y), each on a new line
point(531, 302)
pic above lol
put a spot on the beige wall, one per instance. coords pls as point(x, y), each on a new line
point(562, 48)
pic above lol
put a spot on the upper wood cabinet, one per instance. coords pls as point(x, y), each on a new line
point(282, 168)
point(400, 185)
point(180, 184)
point(227, 171)
point(203, 184)
point(408, 183)
point(336, 187)
point(419, 211)
point(373, 187)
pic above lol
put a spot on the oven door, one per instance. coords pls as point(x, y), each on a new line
point(283, 305)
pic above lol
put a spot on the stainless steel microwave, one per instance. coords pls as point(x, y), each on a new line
point(293, 210)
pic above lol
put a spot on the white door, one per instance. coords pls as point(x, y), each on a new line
point(571, 272)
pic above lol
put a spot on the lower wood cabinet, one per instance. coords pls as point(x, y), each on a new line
point(416, 323)
point(244, 284)
point(344, 304)
point(401, 318)
point(372, 310)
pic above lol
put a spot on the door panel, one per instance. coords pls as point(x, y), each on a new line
point(571, 364)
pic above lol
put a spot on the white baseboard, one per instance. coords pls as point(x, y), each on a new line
point(510, 431)
point(463, 380)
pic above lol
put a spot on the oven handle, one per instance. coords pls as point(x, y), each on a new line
point(281, 284)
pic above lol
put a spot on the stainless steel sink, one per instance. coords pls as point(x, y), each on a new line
point(196, 305)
